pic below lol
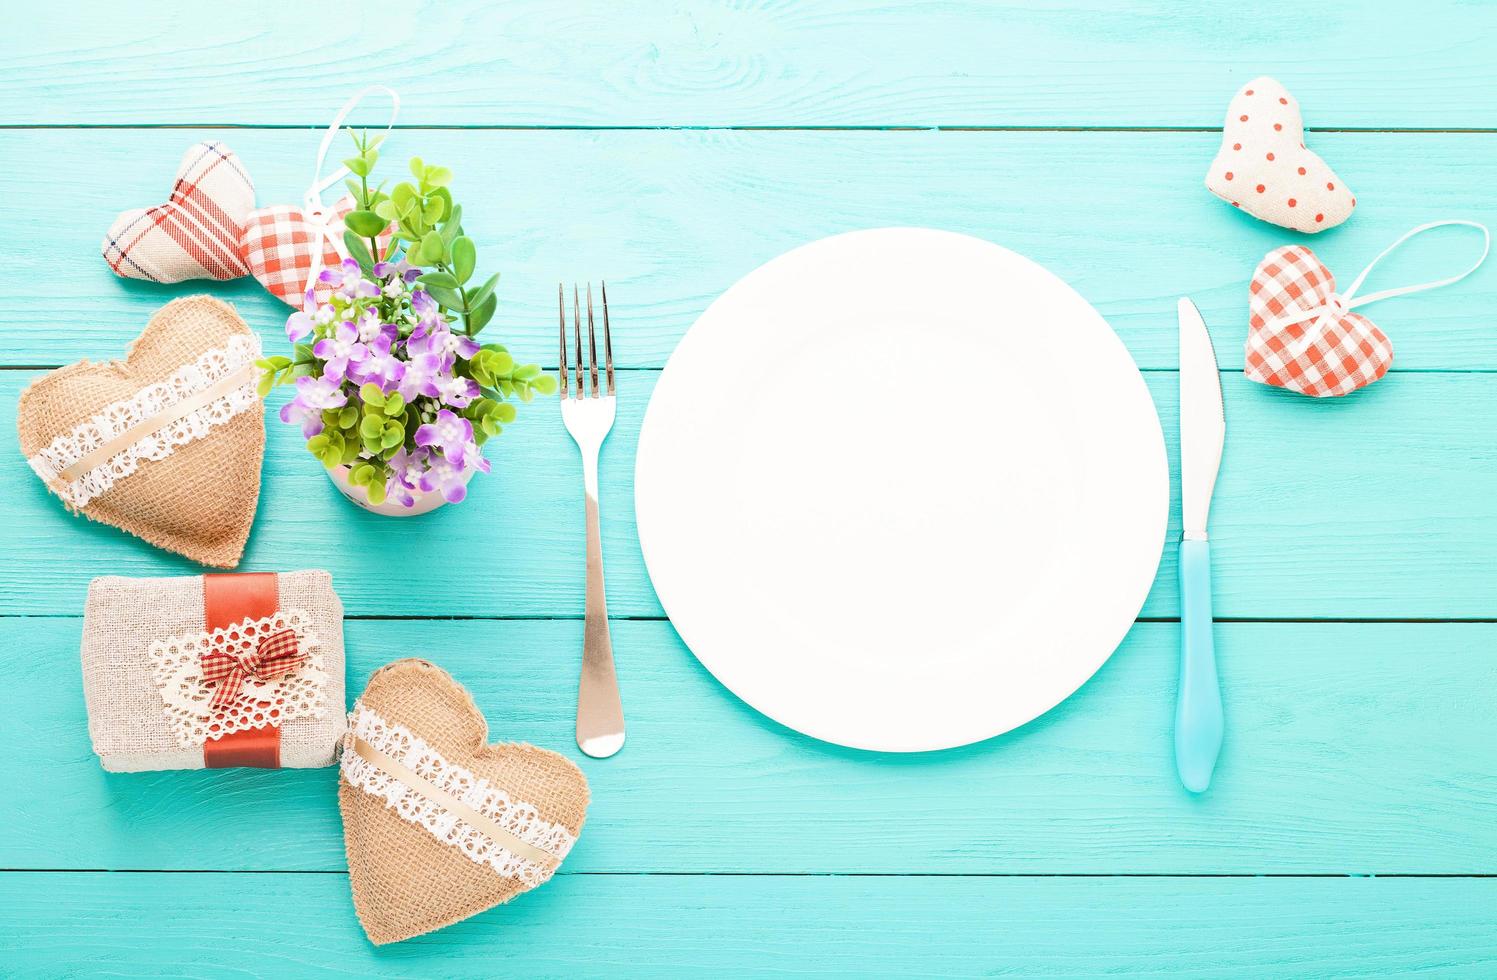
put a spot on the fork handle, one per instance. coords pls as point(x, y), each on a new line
point(600, 712)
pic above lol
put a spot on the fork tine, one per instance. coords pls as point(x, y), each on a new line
point(592, 341)
point(577, 337)
point(561, 309)
point(607, 340)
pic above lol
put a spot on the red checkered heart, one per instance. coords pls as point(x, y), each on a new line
point(1327, 355)
point(279, 243)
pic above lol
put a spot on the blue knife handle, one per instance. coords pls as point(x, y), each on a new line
point(1198, 709)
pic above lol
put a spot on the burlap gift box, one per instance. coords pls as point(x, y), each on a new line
point(148, 704)
point(439, 824)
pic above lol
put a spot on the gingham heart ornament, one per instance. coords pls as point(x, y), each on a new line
point(287, 247)
point(1302, 333)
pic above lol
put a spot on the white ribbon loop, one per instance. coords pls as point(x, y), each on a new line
point(326, 226)
point(1338, 304)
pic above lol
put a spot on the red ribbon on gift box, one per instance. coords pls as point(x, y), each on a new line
point(230, 599)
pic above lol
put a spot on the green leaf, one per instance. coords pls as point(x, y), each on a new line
point(357, 248)
point(303, 352)
point(393, 436)
point(350, 452)
point(371, 155)
point(371, 395)
point(404, 195)
point(376, 492)
point(365, 223)
point(441, 279)
point(480, 317)
point(361, 474)
point(438, 176)
point(464, 257)
point(394, 404)
point(356, 191)
point(449, 298)
point(303, 370)
point(432, 247)
point(358, 165)
point(267, 382)
point(386, 209)
point(371, 427)
point(433, 210)
point(527, 372)
point(545, 385)
point(477, 299)
point(452, 227)
point(417, 167)
point(347, 416)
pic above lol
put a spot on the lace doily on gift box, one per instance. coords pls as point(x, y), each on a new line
point(515, 816)
point(176, 665)
point(119, 417)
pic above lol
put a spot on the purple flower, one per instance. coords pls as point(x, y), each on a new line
point(343, 346)
point(425, 308)
point(457, 392)
point(298, 325)
point(344, 278)
point(450, 478)
point(313, 395)
point(369, 325)
point(379, 364)
point(420, 378)
point(440, 340)
point(450, 433)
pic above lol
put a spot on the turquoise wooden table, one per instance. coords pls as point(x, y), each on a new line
point(671, 148)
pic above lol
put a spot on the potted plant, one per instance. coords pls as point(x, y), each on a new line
point(394, 393)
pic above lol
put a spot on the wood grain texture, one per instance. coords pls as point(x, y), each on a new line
point(1382, 505)
point(1351, 748)
point(672, 219)
point(764, 62)
point(200, 925)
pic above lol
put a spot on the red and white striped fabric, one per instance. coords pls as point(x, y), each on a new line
point(1326, 354)
point(195, 235)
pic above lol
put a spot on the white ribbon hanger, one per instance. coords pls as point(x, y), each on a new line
point(1338, 303)
point(326, 225)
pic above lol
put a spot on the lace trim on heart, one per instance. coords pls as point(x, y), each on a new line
point(176, 668)
point(515, 816)
point(150, 401)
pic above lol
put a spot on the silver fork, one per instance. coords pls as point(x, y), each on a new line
point(588, 414)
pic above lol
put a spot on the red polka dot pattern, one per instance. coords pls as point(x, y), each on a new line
point(1265, 150)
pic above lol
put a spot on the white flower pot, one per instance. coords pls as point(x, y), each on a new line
point(425, 502)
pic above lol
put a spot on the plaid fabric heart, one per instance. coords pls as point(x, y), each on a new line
point(279, 243)
point(195, 234)
point(1327, 353)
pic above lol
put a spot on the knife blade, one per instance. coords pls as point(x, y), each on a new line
point(1203, 429)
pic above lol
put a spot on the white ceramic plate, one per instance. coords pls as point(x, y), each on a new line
point(901, 489)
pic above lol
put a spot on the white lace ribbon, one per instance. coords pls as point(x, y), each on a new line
point(508, 835)
point(87, 461)
point(1338, 303)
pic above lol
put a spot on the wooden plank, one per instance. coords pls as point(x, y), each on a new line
point(835, 62)
point(1383, 505)
point(638, 926)
point(671, 219)
point(1351, 748)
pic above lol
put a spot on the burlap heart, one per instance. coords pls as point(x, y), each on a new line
point(414, 863)
point(165, 444)
point(280, 241)
point(195, 234)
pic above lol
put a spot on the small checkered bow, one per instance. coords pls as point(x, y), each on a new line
point(275, 656)
point(1303, 335)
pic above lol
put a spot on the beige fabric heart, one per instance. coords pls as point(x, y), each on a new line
point(440, 825)
point(1264, 168)
point(195, 234)
point(165, 444)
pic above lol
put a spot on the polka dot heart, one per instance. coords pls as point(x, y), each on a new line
point(1263, 148)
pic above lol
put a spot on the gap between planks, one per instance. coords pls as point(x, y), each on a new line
point(707, 128)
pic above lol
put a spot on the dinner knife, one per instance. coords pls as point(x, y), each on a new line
point(1203, 429)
